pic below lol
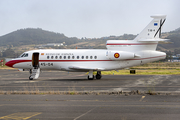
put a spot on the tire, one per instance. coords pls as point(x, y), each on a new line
point(30, 78)
point(98, 76)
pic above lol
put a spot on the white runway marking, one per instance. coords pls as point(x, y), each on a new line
point(83, 114)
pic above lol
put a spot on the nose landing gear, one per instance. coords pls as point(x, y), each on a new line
point(34, 73)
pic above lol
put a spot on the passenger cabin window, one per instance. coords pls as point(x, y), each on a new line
point(52, 57)
point(91, 57)
point(47, 57)
point(60, 57)
point(86, 57)
point(82, 57)
point(68, 57)
point(72, 57)
point(77, 57)
point(95, 57)
point(56, 57)
point(64, 57)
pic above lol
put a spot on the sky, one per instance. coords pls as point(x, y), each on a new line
point(87, 18)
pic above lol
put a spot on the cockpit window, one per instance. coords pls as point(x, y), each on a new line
point(24, 55)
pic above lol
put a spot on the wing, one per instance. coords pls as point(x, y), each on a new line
point(86, 68)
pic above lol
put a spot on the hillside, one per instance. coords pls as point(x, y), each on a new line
point(174, 37)
point(34, 36)
point(100, 43)
point(31, 36)
point(173, 43)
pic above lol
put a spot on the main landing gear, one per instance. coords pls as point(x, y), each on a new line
point(30, 71)
point(91, 76)
point(98, 75)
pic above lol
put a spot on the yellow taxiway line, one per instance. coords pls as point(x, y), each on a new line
point(21, 115)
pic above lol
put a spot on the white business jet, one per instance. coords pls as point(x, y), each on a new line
point(118, 55)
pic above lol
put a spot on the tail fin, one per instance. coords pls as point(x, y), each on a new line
point(153, 30)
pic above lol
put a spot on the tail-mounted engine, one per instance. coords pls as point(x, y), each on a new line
point(120, 55)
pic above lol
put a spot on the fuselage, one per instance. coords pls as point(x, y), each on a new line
point(65, 59)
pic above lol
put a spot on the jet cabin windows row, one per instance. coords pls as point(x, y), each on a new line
point(71, 57)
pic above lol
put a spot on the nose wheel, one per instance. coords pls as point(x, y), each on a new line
point(30, 71)
point(30, 78)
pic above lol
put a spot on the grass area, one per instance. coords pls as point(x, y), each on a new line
point(5, 67)
point(156, 68)
point(144, 72)
point(159, 65)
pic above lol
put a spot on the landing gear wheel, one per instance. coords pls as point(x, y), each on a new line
point(90, 78)
point(30, 71)
point(98, 76)
point(30, 78)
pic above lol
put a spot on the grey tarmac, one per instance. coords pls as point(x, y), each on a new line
point(88, 106)
point(13, 80)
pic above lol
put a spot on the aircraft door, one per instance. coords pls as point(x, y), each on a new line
point(35, 60)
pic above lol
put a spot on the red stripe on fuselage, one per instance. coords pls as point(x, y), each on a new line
point(13, 62)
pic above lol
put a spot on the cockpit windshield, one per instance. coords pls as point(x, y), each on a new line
point(24, 55)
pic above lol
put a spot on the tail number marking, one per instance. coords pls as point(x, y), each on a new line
point(46, 64)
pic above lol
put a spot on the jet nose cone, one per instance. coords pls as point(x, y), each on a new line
point(10, 63)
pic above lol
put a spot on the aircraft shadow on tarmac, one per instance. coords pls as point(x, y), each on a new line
point(70, 80)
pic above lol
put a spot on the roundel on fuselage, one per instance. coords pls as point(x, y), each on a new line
point(116, 55)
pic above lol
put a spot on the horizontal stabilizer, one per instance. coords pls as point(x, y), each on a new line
point(152, 40)
point(158, 16)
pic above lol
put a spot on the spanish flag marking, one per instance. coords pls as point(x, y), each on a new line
point(116, 55)
point(42, 53)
